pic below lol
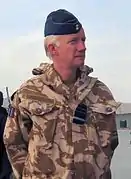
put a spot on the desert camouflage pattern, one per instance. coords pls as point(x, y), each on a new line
point(40, 137)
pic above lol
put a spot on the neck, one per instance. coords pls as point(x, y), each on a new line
point(68, 75)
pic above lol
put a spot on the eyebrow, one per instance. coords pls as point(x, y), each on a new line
point(76, 38)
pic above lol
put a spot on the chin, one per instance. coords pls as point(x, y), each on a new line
point(80, 63)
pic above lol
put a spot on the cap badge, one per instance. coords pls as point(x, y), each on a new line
point(77, 26)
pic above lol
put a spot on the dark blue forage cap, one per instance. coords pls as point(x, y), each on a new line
point(61, 22)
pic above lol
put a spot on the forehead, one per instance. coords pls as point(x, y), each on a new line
point(80, 34)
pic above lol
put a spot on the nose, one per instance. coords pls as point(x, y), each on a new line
point(81, 46)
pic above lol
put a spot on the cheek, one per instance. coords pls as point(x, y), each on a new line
point(62, 51)
point(68, 52)
point(71, 51)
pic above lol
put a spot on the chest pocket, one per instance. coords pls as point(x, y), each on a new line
point(45, 118)
point(105, 122)
point(104, 119)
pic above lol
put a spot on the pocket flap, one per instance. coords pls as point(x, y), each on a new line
point(105, 108)
point(41, 108)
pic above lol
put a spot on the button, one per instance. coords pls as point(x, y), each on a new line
point(38, 110)
point(108, 109)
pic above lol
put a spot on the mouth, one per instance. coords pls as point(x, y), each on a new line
point(80, 56)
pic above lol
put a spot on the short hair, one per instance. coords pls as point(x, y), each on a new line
point(51, 39)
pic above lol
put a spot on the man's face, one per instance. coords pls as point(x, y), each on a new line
point(71, 52)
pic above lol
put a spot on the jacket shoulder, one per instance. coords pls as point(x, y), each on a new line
point(102, 90)
point(32, 82)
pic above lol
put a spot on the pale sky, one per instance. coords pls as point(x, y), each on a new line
point(107, 25)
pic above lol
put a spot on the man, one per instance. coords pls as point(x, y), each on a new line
point(62, 122)
point(5, 167)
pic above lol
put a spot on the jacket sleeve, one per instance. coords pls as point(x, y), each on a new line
point(15, 137)
point(106, 123)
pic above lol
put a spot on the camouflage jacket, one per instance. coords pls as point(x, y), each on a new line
point(43, 142)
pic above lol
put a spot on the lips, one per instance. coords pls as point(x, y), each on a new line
point(80, 56)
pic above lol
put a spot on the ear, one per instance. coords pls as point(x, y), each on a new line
point(52, 49)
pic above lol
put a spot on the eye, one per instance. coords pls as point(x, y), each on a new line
point(83, 39)
point(73, 41)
